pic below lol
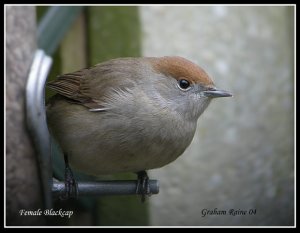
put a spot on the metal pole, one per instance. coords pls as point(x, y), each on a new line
point(100, 188)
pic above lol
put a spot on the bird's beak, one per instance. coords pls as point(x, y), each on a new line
point(215, 93)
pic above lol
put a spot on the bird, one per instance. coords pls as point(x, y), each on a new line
point(129, 114)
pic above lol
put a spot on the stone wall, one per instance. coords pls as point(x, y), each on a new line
point(23, 190)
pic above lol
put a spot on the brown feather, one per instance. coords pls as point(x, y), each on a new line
point(69, 85)
point(91, 87)
point(179, 68)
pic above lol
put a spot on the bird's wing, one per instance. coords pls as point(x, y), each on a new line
point(91, 87)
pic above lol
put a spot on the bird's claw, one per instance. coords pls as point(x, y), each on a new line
point(143, 187)
point(71, 186)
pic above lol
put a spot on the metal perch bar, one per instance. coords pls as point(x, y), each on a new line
point(100, 188)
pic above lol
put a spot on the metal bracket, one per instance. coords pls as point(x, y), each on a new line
point(36, 118)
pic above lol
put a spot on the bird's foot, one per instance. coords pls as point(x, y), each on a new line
point(71, 186)
point(143, 187)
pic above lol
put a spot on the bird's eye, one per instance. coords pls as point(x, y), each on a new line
point(184, 84)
